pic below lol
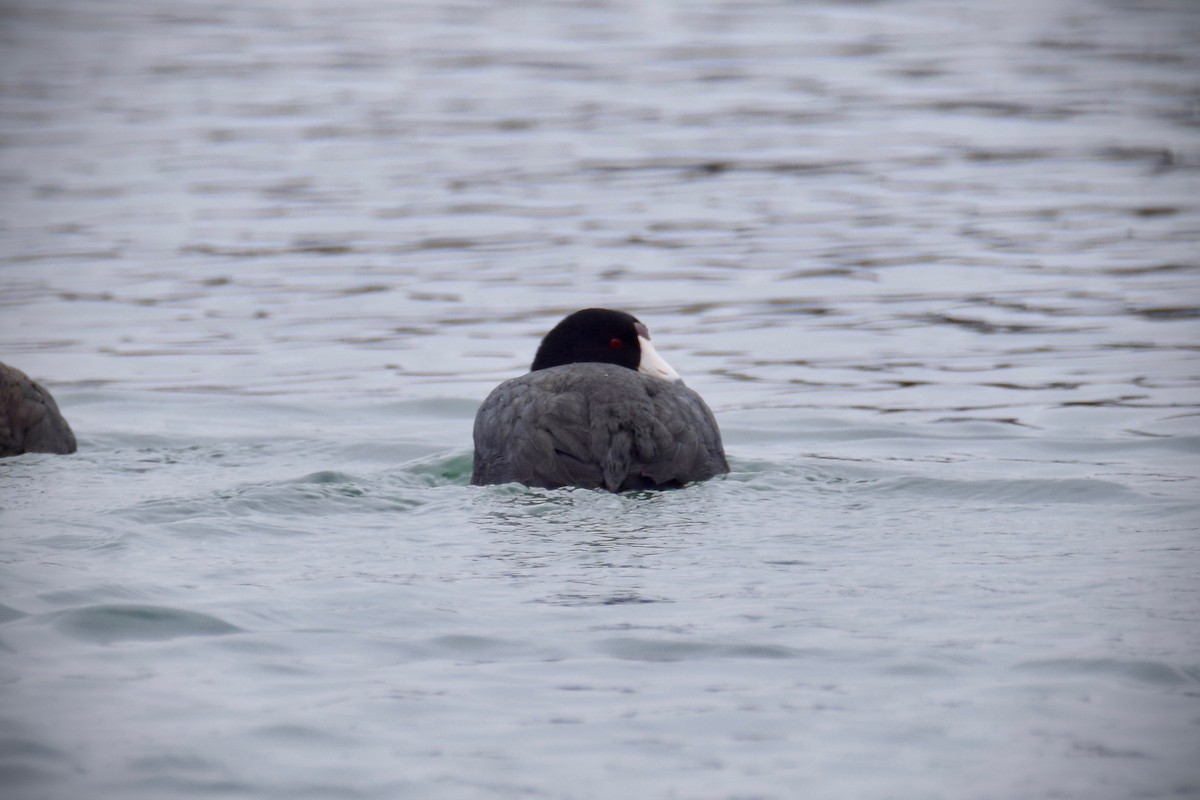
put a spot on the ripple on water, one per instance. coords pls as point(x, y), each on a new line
point(640, 649)
point(1155, 673)
point(26, 761)
point(315, 494)
point(1016, 491)
point(8, 614)
point(110, 623)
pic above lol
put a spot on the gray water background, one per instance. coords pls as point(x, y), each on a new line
point(933, 264)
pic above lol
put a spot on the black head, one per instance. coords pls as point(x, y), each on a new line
point(594, 334)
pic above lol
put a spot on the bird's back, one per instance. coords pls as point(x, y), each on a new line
point(595, 426)
point(30, 421)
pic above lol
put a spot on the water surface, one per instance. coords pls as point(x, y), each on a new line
point(932, 264)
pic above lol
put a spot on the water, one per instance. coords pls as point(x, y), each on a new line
point(932, 264)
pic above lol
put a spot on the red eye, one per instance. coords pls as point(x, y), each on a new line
point(615, 343)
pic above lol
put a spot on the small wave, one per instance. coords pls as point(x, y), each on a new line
point(441, 470)
point(1023, 491)
point(8, 614)
point(632, 649)
point(106, 624)
point(25, 761)
point(1140, 671)
point(322, 493)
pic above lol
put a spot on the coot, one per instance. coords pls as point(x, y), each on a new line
point(30, 421)
point(599, 409)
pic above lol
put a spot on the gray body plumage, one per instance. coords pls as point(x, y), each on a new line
point(30, 421)
point(597, 426)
